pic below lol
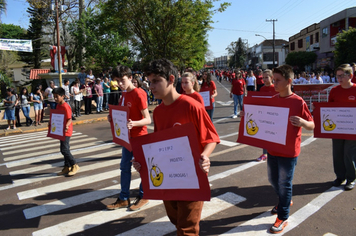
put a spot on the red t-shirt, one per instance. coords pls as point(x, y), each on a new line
point(204, 87)
point(259, 79)
point(65, 107)
point(268, 89)
point(301, 111)
point(186, 110)
point(339, 94)
point(136, 101)
point(196, 96)
point(238, 86)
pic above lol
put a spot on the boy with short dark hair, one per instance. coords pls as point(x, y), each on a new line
point(174, 110)
point(70, 165)
point(344, 151)
point(281, 167)
point(139, 117)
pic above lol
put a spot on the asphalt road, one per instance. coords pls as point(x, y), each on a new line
point(34, 201)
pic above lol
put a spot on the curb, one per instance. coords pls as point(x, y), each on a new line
point(79, 122)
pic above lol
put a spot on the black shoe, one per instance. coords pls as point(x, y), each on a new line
point(337, 182)
point(73, 118)
point(18, 124)
point(350, 185)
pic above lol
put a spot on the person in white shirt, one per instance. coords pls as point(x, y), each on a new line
point(317, 79)
point(326, 78)
point(302, 78)
point(306, 80)
point(251, 81)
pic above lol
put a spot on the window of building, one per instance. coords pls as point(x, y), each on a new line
point(317, 37)
point(300, 43)
point(269, 56)
point(292, 46)
point(311, 39)
point(324, 32)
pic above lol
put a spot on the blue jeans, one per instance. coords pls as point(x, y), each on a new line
point(211, 112)
point(125, 179)
point(280, 175)
point(106, 100)
point(99, 103)
point(53, 105)
point(26, 113)
point(238, 99)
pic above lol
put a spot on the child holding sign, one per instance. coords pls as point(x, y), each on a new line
point(139, 117)
point(281, 167)
point(268, 86)
point(176, 110)
point(344, 151)
point(70, 165)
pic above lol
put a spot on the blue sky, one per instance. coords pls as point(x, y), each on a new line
point(244, 18)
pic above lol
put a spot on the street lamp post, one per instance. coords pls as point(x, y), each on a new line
point(274, 64)
point(58, 46)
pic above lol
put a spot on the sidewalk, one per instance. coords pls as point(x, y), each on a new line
point(84, 119)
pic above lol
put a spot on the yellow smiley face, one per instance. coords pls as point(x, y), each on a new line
point(156, 176)
point(53, 127)
point(251, 127)
point(329, 125)
point(117, 130)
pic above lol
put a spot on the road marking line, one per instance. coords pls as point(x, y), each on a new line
point(56, 146)
point(222, 119)
point(163, 226)
point(46, 167)
point(53, 156)
point(51, 151)
point(20, 136)
point(257, 225)
point(83, 198)
point(308, 141)
point(229, 150)
point(229, 135)
point(228, 143)
point(29, 143)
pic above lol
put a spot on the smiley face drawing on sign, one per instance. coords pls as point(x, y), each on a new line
point(251, 126)
point(117, 130)
point(155, 173)
point(328, 124)
point(53, 128)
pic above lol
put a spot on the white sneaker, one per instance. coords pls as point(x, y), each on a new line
point(234, 116)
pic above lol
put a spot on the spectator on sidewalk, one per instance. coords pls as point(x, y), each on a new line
point(98, 89)
point(24, 99)
point(49, 95)
point(10, 103)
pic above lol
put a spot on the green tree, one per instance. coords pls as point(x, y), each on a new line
point(237, 51)
point(176, 30)
point(345, 44)
point(10, 31)
point(35, 33)
point(103, 47)
point(301, 59)
point(3, 6)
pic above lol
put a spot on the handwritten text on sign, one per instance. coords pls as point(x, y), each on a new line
point(170, 164)
point(338, 120)
point(266, 123)
point(57, 121)
point(120, 125)
point(206, 98)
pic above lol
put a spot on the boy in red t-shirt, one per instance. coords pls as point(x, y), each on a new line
point(268, 87)
point(281, 167)
point(259, 79)
point(174, 110)
point(139, 117)
point(344, 151)
point(70, 165)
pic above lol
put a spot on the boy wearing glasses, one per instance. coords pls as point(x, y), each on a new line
point(344, 151)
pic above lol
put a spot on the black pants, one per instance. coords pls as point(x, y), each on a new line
point(65, 150)
point(251, 88)
point(17, 115)
point(87, 105)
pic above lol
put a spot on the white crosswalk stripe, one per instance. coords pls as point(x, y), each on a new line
point(40, 167)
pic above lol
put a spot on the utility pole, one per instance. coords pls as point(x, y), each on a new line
point(274, 42)
point(58, 47)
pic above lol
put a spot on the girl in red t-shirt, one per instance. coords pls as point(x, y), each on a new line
point(209, 85)
point(191, 87)
point(238, 91)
